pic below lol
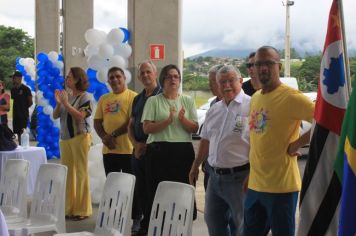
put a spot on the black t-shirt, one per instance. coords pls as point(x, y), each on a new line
point(248, 88)
point(137, 110)
point(3, 118)
point(20, 107)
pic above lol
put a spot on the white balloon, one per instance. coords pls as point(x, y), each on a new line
point(30, 61)
point(115, 36)
point(48, 110)
point(106, 50)
point(123, 50)
point(59, 64)
point(128, 76)
point(39, 94)
point(102, 74)
point(96, 62)
point(117, 61)
point(43, 102)
point(91, 50)
point(94, 36)
point(22, 61)
point(53, 56)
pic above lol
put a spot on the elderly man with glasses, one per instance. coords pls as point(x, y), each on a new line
point(225, 141)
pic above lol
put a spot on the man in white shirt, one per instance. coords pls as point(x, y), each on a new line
point(225, 140)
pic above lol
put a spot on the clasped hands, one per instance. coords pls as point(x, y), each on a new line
point(180, 115)
point(61, 96)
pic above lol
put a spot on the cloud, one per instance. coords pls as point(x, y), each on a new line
point(209, 24)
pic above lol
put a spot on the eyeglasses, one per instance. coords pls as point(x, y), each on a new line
point(266, 63)
point(249, 65)
point(229, 81)
point(173, 77)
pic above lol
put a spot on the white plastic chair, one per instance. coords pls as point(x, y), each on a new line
point(13, 190)
point(172, 210)
point(114, 214)
point(47, 206)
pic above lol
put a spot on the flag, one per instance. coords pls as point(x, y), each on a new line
point(345, 168)
point(321, 188)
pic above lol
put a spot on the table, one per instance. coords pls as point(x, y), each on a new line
point(3, 226)
point(35, 155)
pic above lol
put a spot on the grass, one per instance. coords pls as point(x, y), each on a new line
point(200, 101)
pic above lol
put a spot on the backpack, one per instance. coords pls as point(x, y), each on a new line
point(7, 137)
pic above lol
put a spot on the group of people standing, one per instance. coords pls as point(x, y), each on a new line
point(147, 134)
point(22, 101)
point(249, 144)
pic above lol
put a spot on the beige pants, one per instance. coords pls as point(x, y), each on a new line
point(74, 155)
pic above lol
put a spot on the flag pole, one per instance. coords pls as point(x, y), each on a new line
point(346, 57)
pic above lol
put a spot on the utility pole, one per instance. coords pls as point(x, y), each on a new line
point(287, 40)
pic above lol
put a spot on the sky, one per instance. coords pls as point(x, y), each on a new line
point(223, 24)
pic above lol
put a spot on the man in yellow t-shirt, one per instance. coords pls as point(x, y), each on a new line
point(274, 181)
point(111, 121)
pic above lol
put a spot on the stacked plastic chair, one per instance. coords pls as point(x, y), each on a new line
point(47, 206)
point(13, 190)
point(114, 214)
point(172, 210)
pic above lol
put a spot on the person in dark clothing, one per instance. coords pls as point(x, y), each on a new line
point(147, 74)
point(251, 85)
point(22, 97)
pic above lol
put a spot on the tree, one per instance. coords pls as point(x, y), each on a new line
point(13, 43)
point(293, 53)
point(308, 73)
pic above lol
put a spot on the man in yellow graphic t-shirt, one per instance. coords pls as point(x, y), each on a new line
point(274, 181)
point(111, 120)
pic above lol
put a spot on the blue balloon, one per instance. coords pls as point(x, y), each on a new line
point(126, 34)
point(48, 65)
point(49, 154)
point(91, 73)
point(57, 153)
point(42, 57)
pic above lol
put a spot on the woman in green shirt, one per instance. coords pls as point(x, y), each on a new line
point(169, 119)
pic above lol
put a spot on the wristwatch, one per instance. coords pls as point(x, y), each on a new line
point(114, 134)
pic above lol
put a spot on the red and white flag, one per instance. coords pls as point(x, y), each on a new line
point(321, 188)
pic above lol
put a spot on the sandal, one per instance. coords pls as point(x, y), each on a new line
point(79, 218)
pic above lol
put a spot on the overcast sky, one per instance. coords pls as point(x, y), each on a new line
point(209, 24)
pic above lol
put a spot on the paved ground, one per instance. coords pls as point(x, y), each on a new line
point(199, 226)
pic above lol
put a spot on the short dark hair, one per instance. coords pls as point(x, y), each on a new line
point(267, 47)
point(252, 54)
point(82, 83)
point(115, 68)
point(164, 73)
point(17, 74)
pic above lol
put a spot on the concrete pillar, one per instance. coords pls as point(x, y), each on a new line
point(77, 18)
point(46, 26)
point(154, 22)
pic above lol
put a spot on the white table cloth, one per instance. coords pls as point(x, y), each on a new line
point(35, 155)
point(3, 226)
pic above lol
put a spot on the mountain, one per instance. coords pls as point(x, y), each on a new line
point(243, 53)
point(229, 53)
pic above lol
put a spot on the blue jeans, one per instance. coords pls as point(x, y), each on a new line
point(224, 199)
point(275, 211)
